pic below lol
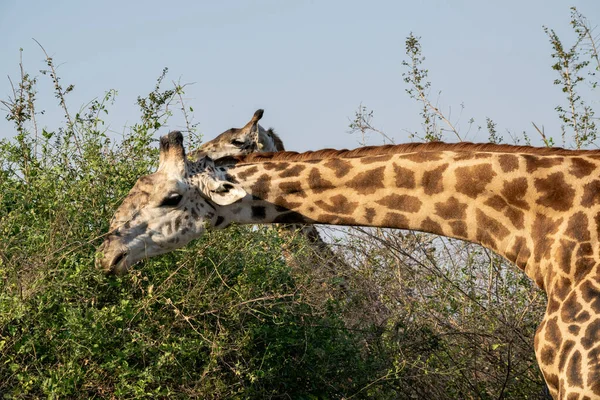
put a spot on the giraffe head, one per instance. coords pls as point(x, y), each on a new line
point(240, 141)
point(167, 209)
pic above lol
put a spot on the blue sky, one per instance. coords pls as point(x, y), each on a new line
point(309, 64)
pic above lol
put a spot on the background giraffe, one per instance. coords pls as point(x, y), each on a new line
point(537, 207)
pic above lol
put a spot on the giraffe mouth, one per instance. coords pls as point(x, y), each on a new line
point(118, 265)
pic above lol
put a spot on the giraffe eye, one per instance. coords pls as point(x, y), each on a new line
point(237, 143)
point(171, 200)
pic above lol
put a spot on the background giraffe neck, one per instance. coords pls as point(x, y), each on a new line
point(515, 204)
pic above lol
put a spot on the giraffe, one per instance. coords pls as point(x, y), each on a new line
point(537, 207)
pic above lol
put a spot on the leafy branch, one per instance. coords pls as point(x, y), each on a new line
point(577, 116)
point(416, 78)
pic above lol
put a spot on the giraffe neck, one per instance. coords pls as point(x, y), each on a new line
point(513, 203)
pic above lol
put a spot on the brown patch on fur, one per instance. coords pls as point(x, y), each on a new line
point(578, 227)
point(401, 203)
point(583, 266)
point(248, 173)
point(585, 250)
point(571, 311)
point(565, 254)
point(508, 162)
point(395, 220)
point(591, 295)
point(405, 178)
point(292, 171)
point(317, 183)
point(375, 159)
point(429, 225)
point(517, 217)
point(552, 381)
point(547, 355)
point(533, 163)
point(368, 182)
point(514, 192)
point(574, 329)
point(459, 228)
point(472, 181)
point(339, 204)
point(261, 188)
point(484, 237)
point(496, 202)
point(542, 230)
point(591, 194)
point(341, 167)
point(553, 305)
point(451, 209)
point(276, 166)
point(432, 181)
point(519, 253)
point(282, 204)
point(554, 192)
point(421, 157)
point(594, 370)
point(471, 156)
point(490, 225)
point(581, 168)
point(562, 288)
point(370, 214)
point(592, 335)
point(552, 334)
point(292, 187)
point(564, 353)
point(574, 376)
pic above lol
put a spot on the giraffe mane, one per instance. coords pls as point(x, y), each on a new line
point(276, 139)
point(403, 148)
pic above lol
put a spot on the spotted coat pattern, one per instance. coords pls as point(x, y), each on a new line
point(539, 209)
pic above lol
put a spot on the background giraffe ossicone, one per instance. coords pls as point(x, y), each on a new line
point(537, 207)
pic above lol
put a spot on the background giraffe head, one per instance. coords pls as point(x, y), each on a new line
point(167, 209)
point(240, 141)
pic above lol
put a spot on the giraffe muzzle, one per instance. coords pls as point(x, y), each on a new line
point(112, 261)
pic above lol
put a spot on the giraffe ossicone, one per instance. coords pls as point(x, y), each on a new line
point(538, 207)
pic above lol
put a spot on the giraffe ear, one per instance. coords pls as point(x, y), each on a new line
point(219, 191)
point(227, 193)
